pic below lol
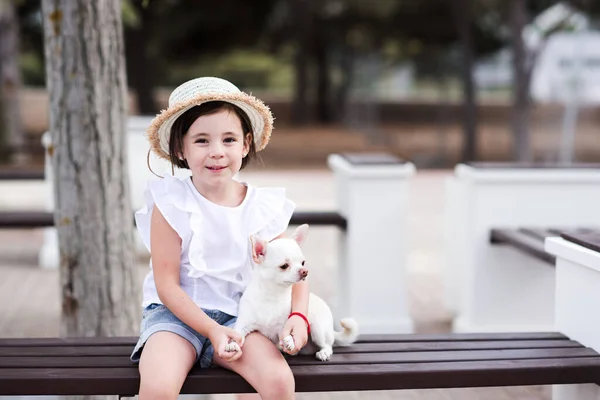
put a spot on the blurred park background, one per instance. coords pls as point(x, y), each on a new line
point(435, 82)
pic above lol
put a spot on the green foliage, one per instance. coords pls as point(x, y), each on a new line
point(32, 69)
point(130, 15)
point(247, 68)
point(252, 42)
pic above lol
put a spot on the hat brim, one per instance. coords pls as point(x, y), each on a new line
point(159, 131)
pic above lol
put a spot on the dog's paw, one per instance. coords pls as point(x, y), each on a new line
point(232, 347)
point(288, 343)
point(324, 354)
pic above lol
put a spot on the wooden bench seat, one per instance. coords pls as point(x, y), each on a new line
point(19, 174)
point(45, 219)
point(86, 366)
point(531, 240)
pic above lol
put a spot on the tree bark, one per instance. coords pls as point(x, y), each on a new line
point(346, 65)
point(303, 15)
point(463, 16)
point(521, 104)
point(86, 80)
point(321, 49)
point(11, 130)
point(140, 67)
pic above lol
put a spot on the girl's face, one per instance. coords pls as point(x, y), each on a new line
point(214, 147)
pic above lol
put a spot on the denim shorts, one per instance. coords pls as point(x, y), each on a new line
point(158, 318)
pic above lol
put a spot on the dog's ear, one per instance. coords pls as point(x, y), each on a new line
point(300, 234)
point(259, 249)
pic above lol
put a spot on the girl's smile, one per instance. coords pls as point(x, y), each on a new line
point(214, 147)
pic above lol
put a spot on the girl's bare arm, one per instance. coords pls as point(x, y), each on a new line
point(166, 253)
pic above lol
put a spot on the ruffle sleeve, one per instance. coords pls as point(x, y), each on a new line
point(160, 193)
point(271, 213)
point(172, 197)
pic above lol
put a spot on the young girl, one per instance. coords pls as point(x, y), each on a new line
point(197, 230)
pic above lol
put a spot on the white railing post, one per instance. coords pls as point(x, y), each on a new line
point(48, 256)
point(372, 194)
point(496, 288)
point(577, 305)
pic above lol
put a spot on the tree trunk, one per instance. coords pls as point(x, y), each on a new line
point(87, 88)
point(140, 67)
point(463, 16)
point(346, 65)
point(4, 152)
point(302, 11)
point(321, 56)
point(11, 131)
point(521, 105)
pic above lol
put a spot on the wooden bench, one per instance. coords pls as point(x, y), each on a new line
point(45, 219)
point(531, 240)
point(101, 366)
point(20, 174)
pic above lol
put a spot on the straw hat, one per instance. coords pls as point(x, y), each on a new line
point(202, 90)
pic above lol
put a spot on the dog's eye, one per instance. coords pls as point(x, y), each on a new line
point(284, 266)
point(303, 263)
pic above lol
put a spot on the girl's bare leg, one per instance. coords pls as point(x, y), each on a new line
point(165, 362)
point(263, 367)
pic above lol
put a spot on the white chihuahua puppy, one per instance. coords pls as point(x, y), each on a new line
point(267, 301)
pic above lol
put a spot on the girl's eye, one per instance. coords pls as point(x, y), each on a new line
point(230, 140)
point(203, 141)
point(284, 266)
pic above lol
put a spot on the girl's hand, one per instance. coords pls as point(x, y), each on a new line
point(297, 329)
point(227, 343)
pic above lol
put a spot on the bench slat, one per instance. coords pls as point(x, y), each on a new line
point(526, 242)
point(125, 381)
point(370, 338)
point(452, 337)
point(582, 230)
point(532, 240)
point(543, 233)
point(66, 351)
point(125, 350)
point(44, 219)
point(458, 345)
point(449, 374)
point(337, 359)
point(538, 233)
point(589, 240)
point(21, 174)
point(69, 341)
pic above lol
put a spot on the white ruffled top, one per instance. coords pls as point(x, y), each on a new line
point(215, 248)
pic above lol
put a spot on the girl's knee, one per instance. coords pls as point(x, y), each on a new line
point(158, 389)
point(157, 382)
point(279, 383)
